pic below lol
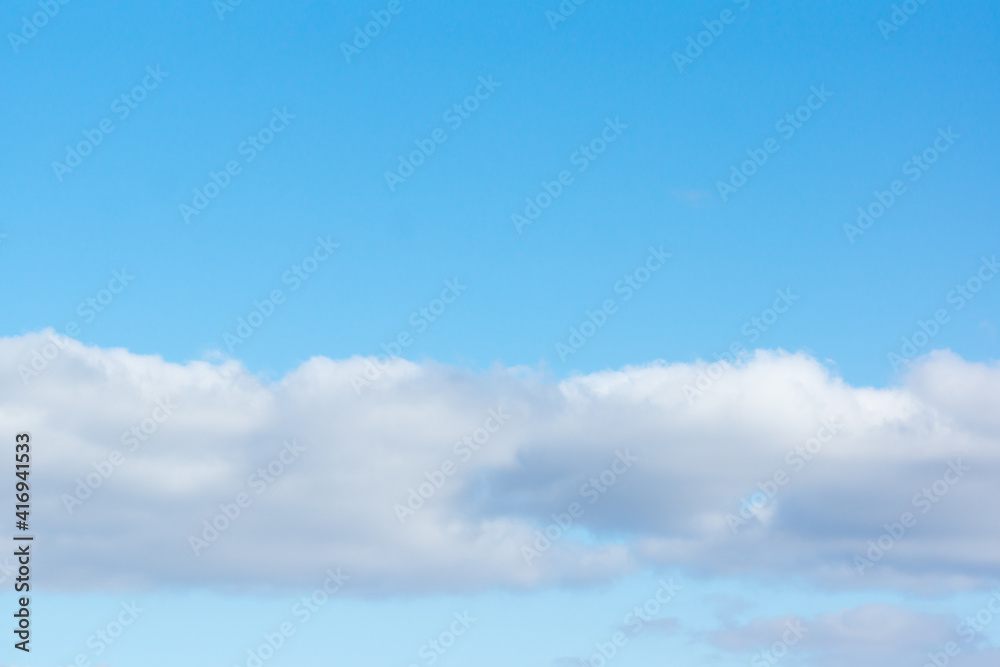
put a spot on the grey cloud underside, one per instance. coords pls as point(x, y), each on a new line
point(334, 506)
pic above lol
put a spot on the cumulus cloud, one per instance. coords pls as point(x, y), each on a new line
point(853, 461)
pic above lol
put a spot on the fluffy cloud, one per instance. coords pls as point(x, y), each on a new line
point(638, 471)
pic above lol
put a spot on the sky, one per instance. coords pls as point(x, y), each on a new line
point(465, 272)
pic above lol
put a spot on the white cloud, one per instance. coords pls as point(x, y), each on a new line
point(333, 506)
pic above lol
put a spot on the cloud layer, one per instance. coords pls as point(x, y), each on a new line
point(431, 478)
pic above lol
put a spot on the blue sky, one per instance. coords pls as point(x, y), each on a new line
point(324, 175)
point(261, 101)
